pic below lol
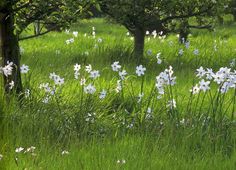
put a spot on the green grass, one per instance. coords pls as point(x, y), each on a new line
point(160, 143)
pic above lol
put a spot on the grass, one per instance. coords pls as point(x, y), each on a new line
point(119, 129)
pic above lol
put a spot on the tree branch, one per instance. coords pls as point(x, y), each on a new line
point(185, 16)
point(200, 27)
point(33, 36)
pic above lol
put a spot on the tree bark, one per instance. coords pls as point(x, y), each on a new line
point(139, 38)
point(10, 51)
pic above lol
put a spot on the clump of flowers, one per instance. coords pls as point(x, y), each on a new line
point(164, 79)
point(224, 78)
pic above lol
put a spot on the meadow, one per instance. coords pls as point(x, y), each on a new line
point(89, 105)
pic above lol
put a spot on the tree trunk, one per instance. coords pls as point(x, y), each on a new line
point(36, 28)
point(183, 36)
point(10, 51)
point(184, 31)
point(139, 37)
point(234, 15)
point(220, 20)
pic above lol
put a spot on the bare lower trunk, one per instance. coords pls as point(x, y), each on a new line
point(10, 51)
point(139, 37)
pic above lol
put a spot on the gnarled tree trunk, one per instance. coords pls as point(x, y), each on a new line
point(10, 50)
point(139, 38)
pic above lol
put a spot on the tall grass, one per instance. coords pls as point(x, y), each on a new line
point(196, 134)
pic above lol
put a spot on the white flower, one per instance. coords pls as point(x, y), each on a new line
point(140, 96)
point(187, 44)
point(82, 81)
point(121, 161)
point(64, 152)
point(24, 69)
point(11, 85)
point(209, 74)
point(149, 110)
point(196, 52)
point(182, 121)
point(99, 40)
point(75, 33)
point(90, 89)
point(76, 75)
point(45, 86)
point(59, 81)
point(88, 68)
point(7, 70)
point(140, 70)
point(218, 78)
point(30, 149)
point(1, 156)
point(45, 100)
point(225, 71)
point(103, 94)
point(69, 41)
point(165, 78)
point(201, 72)
point(181, 52)
point(115, 66)
point(77, 67)
point(225, 87)
point(27, 93)
point(195, 89)
point(149, 52)
point(159, 61)
point(232, 63)
point(119, 86)
point(90, 117)
point(171, 104)
point(122, 74)
point(18, 150)
point(147, 32)
point(154, 33)
point(204, 85)
point(53, 76)
point(67, 31)
point(94, 74)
